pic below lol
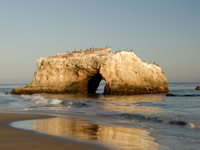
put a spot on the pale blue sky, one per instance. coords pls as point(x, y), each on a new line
point(162, 31)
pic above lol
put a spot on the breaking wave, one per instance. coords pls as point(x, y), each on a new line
point(41, 101)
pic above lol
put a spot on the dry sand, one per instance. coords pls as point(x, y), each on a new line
point(17, 139)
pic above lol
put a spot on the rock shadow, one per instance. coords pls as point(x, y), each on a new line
point(93, 83)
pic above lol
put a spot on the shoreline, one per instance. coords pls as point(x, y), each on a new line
point(19, 139)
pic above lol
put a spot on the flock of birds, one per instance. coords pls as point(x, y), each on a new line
point(93, 49)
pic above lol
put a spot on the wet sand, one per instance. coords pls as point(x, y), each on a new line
point(17, 139)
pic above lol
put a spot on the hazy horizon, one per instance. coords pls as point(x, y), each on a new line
point(166, 32)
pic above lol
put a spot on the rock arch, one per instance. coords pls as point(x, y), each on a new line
point(82, 71)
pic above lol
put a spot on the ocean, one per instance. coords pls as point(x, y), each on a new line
point(129, 122)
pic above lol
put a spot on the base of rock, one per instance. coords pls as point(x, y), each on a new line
point(38, 90)
point(75, 91)
point(127, 90)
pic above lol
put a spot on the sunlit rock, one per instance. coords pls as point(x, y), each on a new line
point(125, 73)
point(82, 71)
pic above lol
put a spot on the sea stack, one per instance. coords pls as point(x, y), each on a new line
point(197, 88)
point(82, 71)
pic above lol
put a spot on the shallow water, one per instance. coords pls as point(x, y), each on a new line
point(152, 121)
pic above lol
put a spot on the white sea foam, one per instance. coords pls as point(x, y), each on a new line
point(191, 125)
point(41, 101)
point(194, 125)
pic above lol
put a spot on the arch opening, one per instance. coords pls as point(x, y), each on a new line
point(94, 83)
point(101, 87)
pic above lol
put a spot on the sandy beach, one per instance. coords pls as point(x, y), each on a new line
point(17, 139)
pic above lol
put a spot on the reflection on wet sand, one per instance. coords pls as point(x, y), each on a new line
point(117, 137)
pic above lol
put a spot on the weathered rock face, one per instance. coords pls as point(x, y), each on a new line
point(82, 71)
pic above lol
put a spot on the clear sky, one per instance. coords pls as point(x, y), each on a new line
point(163, 31)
